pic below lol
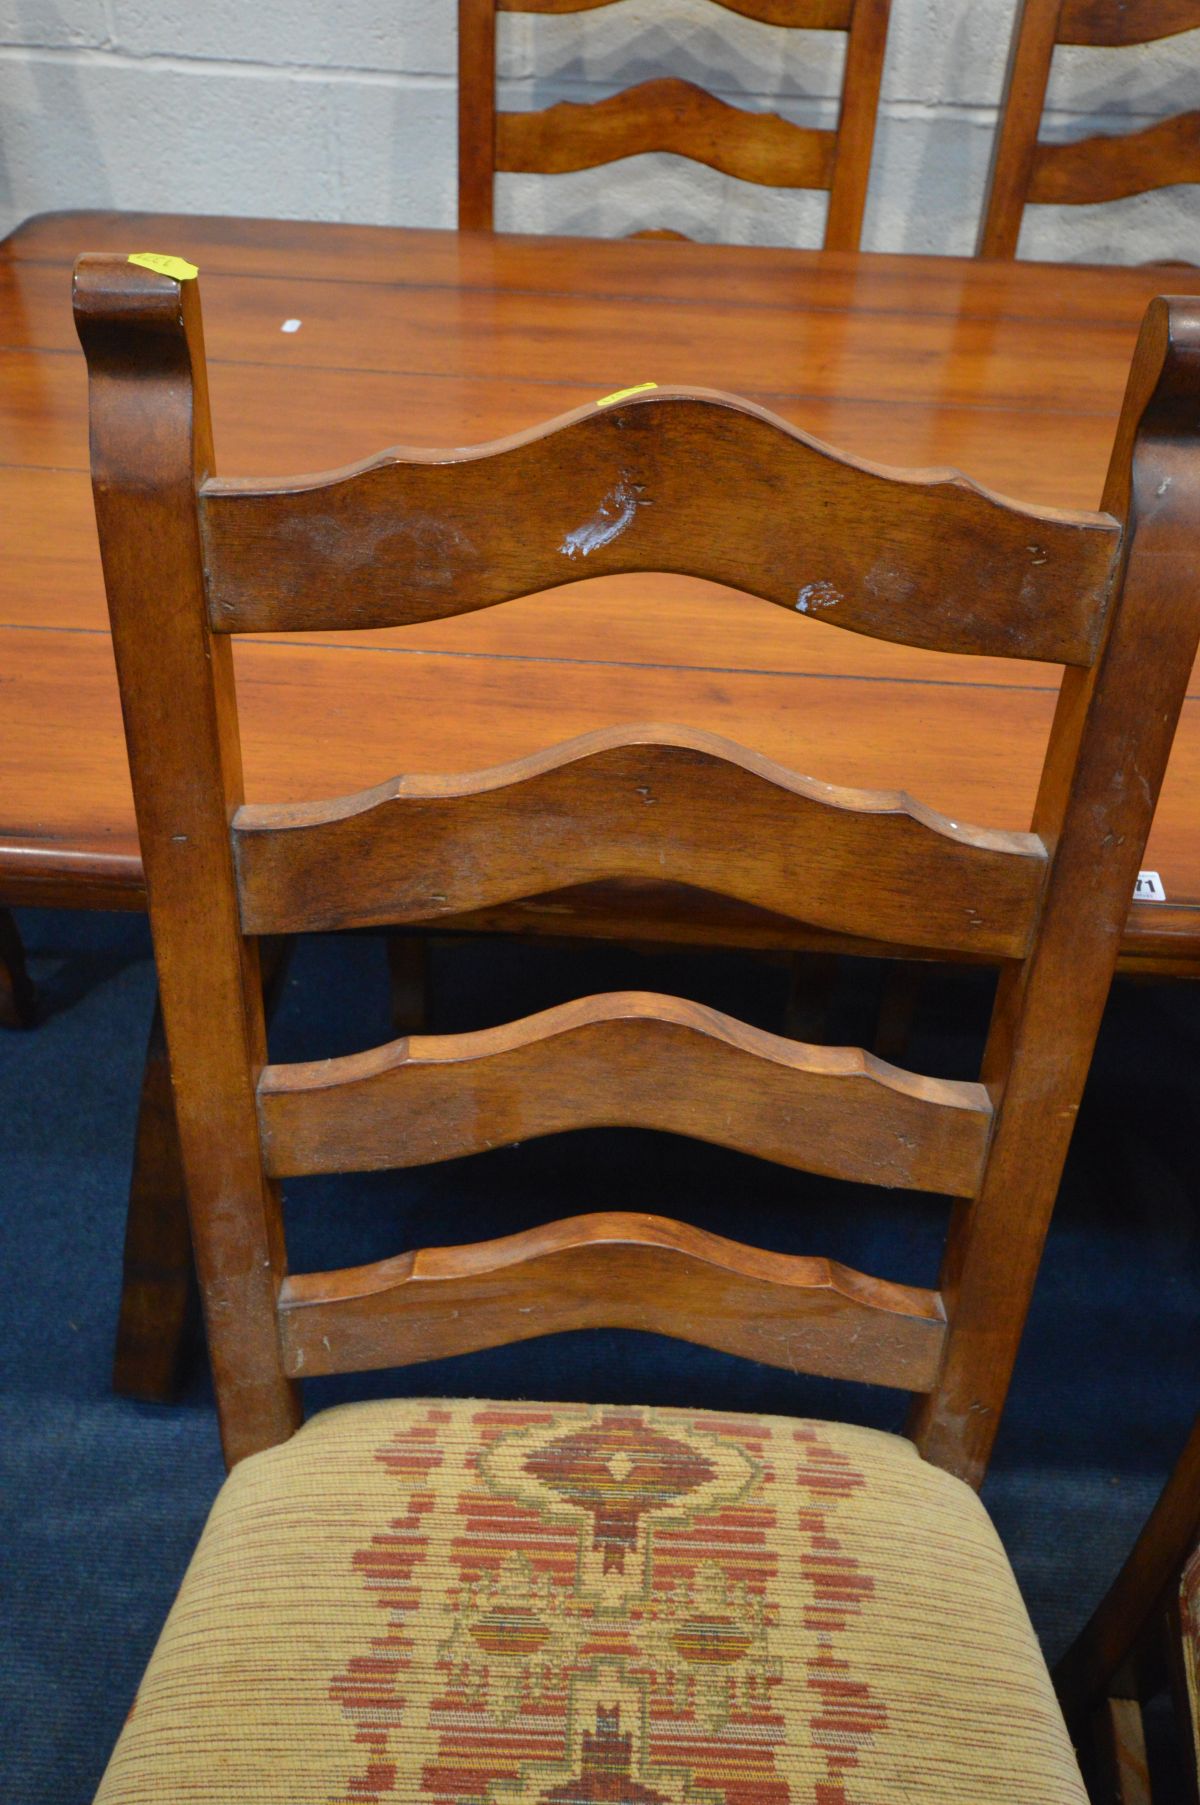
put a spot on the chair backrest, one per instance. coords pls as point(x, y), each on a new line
point(652, 480)
point(1026, 172)
point(673, 115)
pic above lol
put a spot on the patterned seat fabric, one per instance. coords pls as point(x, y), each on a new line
point(1189, 1612)
point(500, 1604)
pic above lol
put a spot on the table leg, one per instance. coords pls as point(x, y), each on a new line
point(18, 999)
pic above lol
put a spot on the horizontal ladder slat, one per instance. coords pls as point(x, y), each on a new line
point(628, 1059)
point(679, 480)
point(1118, 22)
point(616, 1271)
point(1108, 168)
point(660, 803)
point(813, 15)
point(669, 115)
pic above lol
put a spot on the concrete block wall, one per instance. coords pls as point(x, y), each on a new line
point(304, 109)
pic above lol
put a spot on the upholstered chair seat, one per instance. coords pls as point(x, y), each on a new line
point(460, 1602)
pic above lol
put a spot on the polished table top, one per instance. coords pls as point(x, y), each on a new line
point(1013, 373)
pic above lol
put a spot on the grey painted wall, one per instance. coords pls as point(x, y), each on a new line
point(293, 108)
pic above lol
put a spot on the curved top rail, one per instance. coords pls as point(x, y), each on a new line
point(673, 479)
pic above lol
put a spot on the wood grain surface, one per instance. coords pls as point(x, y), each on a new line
point(687, 481)
point(670, 115)
point(1110, 166)
point(1116, 22)
point(654, 804)
point(675, 117)
point(1027, 170)
point(613, 1270)
point(1061, 897)
point(626, 1059)
point(1012, 372)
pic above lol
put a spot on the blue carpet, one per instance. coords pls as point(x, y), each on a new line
point(101, 1500)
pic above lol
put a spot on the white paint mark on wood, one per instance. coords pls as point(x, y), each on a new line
point(614, 516)
point(818, 595)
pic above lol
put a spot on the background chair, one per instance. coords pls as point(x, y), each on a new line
point(534, 1578)
point(1143, 1638)
point(1026, 171)
point(672, 115)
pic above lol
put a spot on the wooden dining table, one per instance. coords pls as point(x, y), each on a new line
point(328, 342)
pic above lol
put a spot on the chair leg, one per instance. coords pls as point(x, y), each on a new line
point(408, 968)
point(159, 1275)
point(18, 999)
point(903, 983)
point(1119, 1773)
point(812, 978)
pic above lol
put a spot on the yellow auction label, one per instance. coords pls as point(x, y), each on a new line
point(624, 394)
point(166, 266)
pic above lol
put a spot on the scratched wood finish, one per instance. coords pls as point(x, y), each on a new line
point(656, 805)
point(1106, 758)
point(1026, 171)
point(627, 1059)
point(613, 1270)
point(666, 114)
point(697, 483)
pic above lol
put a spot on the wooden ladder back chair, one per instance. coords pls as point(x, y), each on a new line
point(668, 114)
point(1143, 1639)
point(650, 480)
point(1025, 171)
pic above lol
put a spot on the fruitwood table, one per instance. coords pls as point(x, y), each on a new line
point(328, 342)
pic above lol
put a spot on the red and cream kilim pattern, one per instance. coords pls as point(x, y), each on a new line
point(516, 1604)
